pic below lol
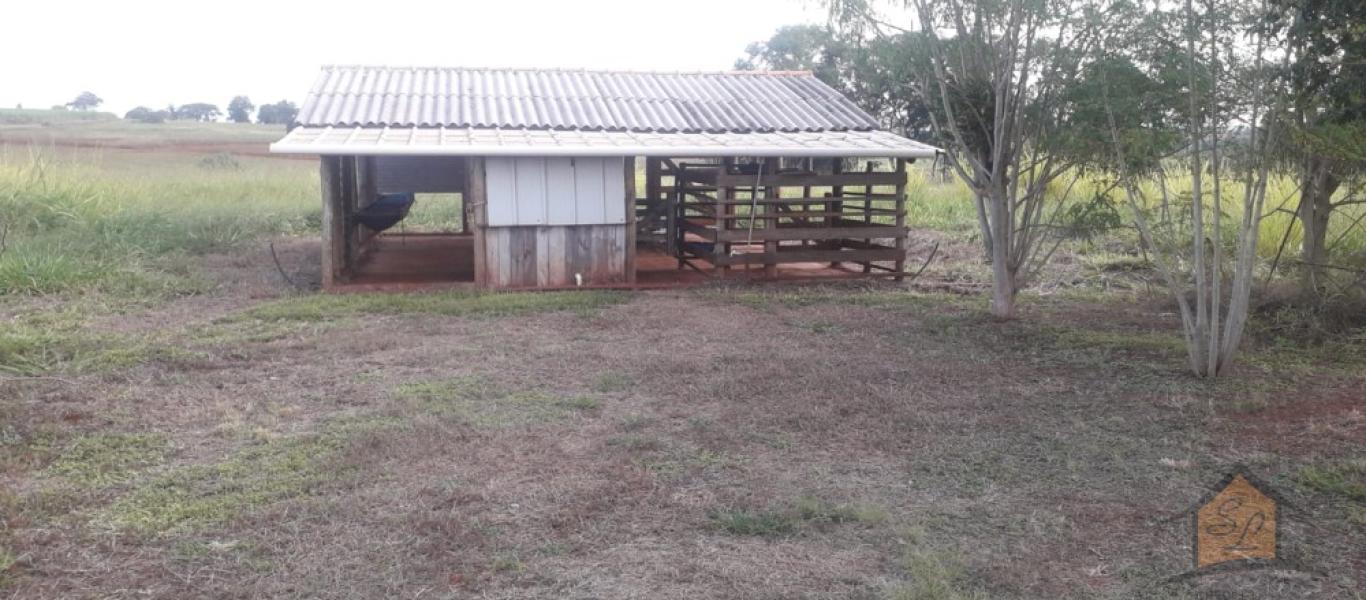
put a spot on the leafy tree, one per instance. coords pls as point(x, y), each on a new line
point(239, 110)
point(1179, 80)
point(870, 72)
point(85, 101)
point(992, 75)
point(198, 111)
point(281, 113)
point(1326, 76)
point(146, 115)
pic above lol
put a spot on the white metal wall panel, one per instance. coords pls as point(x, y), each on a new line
point(530, 197)
point(588, 183)
point(562, 201)
point(614, 179)
point(556, 191)
point(500, 180)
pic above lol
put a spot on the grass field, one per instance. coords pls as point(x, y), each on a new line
point(176, 421)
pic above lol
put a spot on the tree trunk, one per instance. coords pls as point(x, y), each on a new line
point(1003, 284)
point(1316, 205)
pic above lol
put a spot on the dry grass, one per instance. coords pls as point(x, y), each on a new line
point(237, 439)
point(822, 442)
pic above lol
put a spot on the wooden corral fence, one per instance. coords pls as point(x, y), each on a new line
point(726, 214)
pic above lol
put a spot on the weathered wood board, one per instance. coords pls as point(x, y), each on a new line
point(552, 255)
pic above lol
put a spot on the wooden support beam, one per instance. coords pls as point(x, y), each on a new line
point(868, 216)
point(723, 208)
point(798, 255)
point(368, 186)
point(901, 218)
point(476, 200)
point(804, 179)
point(630, 258)
point(864, 233)
point(333, 221)
point(837, 191)
point(770, 165)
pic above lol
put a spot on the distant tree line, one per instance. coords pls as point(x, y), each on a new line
point(239, 111)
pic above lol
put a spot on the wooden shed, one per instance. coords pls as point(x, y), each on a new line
point(598, 178)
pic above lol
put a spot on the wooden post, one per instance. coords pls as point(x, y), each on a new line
point(836, 191)
point(868, 215)
point(630, 168)
point(350, 190)
point(333, 221)
point(653, 201)
point(724, 210)
point(678, 214)
point(900, 207)
point(769, 167)
point(806, 193)
point(476, 198)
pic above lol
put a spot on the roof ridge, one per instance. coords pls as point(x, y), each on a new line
point(776, 73)
point(721, 100)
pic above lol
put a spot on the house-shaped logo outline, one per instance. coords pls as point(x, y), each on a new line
point(1214, 493)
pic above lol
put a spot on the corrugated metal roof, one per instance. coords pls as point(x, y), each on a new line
point(586, 100)
point(475, 141)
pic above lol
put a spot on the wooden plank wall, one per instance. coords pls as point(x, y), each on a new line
point(551, 255)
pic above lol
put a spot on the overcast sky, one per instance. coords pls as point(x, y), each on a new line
point(154, 53)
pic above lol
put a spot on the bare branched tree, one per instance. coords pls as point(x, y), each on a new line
point(995, 80)
point(1213, 317)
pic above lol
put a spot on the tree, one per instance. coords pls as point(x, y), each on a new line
point(198, 111)
point(870, 72)
point(85, 101)
point(143, 114)
point(281, 113)
point(1222, 88)
point(993, 75)
point(1327, 78)
point(239, 110)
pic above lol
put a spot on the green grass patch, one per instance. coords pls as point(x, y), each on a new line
point(194, 496)
point(40, 116)
point(508, 562)
point(235, 331)
point(815, 510)
point(7, 562)
point(612, 382)
point(804, 514)
point(82, 225)
point(103, 459)
point(27, 351)
point(636, 443)
point(932, 573)
point(481, 403)
point(319, 307)
point(1346, 478)
point(761, 524)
